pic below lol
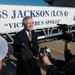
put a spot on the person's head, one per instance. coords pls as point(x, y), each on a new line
point(28, 23)
point(3, 51)
point(3, 48)
point(69, 68)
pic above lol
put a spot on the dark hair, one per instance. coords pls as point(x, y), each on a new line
point(69, 69)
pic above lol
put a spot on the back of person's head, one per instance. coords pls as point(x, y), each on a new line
point(69, 69)
point(3, 48)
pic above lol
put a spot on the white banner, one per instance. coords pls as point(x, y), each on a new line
point(11, 17)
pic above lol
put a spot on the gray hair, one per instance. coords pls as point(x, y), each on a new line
point(24, 19)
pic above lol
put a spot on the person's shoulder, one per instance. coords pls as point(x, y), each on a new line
point(33, 31)
point(18, 33)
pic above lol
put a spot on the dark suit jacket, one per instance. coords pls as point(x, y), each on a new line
point(22, 38)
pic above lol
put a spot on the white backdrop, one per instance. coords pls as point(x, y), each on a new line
point(11, 17)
